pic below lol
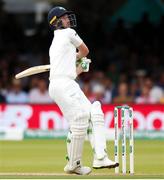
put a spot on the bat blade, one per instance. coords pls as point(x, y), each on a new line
point(32, 71)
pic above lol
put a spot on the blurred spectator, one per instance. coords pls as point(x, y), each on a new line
point(97, 78)
point(16, 94)
point(112, 72)
point(123, 96)
point(134, 89)
point(34, 82)
point(162, 100)
point(40, 94)
point(98, 91)
point(140, 77)
point(156, 92)
point(109, 87)
point(3, 89)
point(2, 99)
point(87, 90)
point(145, 97)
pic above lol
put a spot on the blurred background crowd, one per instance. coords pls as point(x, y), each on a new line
point(127, 57)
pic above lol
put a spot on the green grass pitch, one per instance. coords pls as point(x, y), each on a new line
point(34, 158)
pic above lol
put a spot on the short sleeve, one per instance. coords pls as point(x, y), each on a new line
point(75, 39)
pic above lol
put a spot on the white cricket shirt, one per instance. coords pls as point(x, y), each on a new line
point(62, 53)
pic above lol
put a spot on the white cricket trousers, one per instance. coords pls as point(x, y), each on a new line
point(69, 97)
point(78, 110)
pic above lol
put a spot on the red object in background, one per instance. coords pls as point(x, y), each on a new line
point(146, 117)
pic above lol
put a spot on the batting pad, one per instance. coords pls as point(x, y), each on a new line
point(75, 141)
point(97, 137)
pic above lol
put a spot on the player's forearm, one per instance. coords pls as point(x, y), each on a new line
point(80, 55)
point(82, 51)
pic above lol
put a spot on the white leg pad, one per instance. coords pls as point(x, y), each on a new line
point(75, 141)
point(98, 140)
point(90, 135)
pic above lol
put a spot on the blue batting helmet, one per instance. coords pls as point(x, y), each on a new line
point(54, 17)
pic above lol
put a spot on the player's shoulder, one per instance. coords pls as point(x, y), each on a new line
point(71, 31)
point(67, 30)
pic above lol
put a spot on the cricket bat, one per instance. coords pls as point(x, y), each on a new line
point(32, 71)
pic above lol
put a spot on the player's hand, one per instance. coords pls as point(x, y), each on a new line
point(83, 64)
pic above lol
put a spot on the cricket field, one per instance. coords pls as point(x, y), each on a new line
point(45, 159)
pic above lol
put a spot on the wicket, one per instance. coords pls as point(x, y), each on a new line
point(124, 121)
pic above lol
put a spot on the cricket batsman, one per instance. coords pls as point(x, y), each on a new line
point(66, 50)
